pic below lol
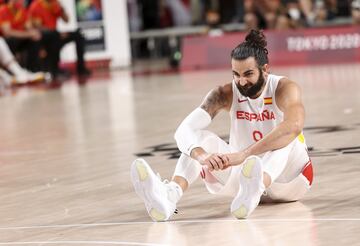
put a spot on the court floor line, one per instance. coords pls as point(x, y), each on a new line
point(176, 222)
point(82, 242)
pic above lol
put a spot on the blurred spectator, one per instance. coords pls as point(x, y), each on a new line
point(180, 12)
point(325, 10)
point(355, 12)
point(165, 16)
point(306, 8)
point(304, 13)
point(44, 15)
point(135, 22)
point(18, 33)
point(213, 21)
point(260, 13)
point(228, 11)
point(9, 63)
point(197, 9)
point(343, 8)
point(250, 14)
point(291, 15)
point(149, 13)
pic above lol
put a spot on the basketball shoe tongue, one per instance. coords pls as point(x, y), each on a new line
point(174, 191)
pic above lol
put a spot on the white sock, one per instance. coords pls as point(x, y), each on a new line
point(177, 188)
point(6, 56)
point(15, 68)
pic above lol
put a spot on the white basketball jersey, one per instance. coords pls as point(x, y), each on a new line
point(252, 119)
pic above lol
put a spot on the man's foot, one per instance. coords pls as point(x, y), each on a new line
point(29, 77)
point(250, 190)
point(159, 197)
point(61, 75)
point(84, 72)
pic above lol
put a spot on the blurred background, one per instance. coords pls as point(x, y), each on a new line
point(148, 36)
point(160, 29)
point(87, 86)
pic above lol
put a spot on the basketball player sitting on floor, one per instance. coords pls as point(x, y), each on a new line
point(266, 150)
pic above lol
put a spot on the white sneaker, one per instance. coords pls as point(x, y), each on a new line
point(28, 77)
point(250, 190)
point(159, 197)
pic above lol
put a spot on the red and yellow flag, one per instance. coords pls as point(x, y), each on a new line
point(267, 100)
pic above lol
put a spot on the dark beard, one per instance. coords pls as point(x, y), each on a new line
point(252, 90)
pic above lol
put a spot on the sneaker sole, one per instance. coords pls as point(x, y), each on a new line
point(242, 210)
point(140, 178)
point(37, 79)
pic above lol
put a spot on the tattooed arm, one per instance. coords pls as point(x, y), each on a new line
point(216, 100)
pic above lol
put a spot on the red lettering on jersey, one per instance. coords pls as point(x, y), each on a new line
point(272, 116)
point(240, 115)
point(253, 117)
point(263, 116)
point(257, 136)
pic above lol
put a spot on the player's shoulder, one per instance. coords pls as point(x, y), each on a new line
point(285, 84)
point(220, 96)
point(225, 88)
point(288, 91)
point(224, 91)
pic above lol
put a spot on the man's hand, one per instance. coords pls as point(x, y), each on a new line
point(35, 35)
point(235, 159)
point(214, 161)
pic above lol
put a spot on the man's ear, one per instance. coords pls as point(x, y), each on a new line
point(266, 68)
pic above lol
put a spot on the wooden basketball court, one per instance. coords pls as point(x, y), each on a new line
point(65, 157)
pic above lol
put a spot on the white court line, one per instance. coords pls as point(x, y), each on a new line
point(176, 222)
point(83, 242)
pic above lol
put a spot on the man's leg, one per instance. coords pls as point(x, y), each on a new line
point(188, 170)
point(52, 44)
point(33, 55)
point(79, 40)
point(295, 179)
point(256, 175)
point(9, 62)
point(160, 198)
point(6, 56)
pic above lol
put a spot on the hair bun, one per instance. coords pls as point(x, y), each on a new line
point(256, 39)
